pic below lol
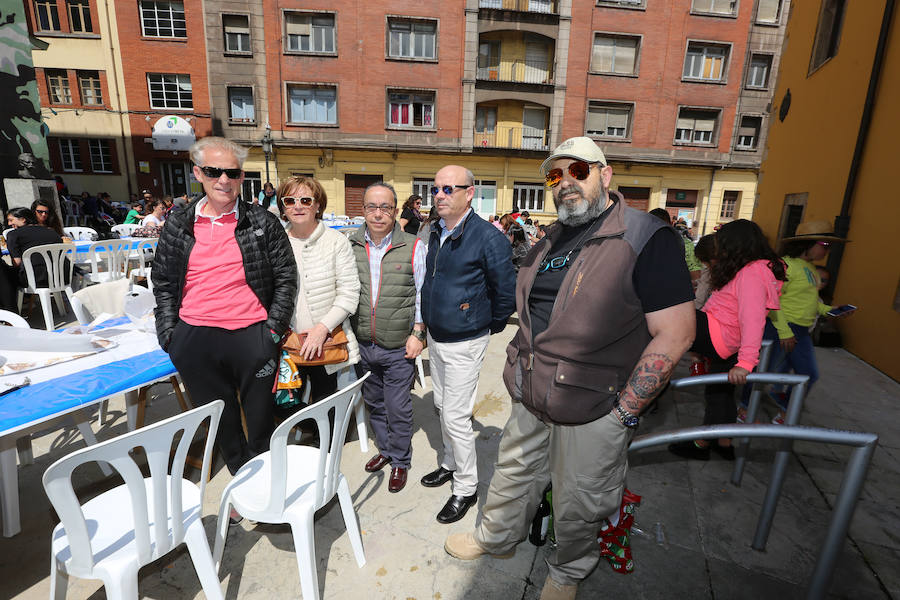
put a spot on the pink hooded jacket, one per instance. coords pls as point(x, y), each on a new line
point(737, 312)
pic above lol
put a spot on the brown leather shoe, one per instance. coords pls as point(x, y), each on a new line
point(377, 463)
point(397, 480)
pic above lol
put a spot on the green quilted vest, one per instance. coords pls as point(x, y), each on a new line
point(391, 321)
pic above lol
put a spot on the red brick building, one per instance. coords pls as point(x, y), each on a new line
point(163, 54)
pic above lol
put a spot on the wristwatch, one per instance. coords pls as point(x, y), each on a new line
point(419, 334)
point(628, 420)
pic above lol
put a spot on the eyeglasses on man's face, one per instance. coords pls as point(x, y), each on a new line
point(579, 169)
point(216, 172)
point(292, 200)
point(382, 208)
point(447, 189)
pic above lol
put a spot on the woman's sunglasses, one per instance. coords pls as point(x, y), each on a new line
point(291, 200)
point(578, 169)
point(216, 172)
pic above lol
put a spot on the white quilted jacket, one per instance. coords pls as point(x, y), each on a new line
point(330, 284)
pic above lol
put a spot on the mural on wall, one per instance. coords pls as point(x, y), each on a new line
point(23, 136)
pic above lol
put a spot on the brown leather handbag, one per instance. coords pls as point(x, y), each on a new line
point(335, 349)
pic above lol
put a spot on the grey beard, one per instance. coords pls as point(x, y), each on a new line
point(581, 213)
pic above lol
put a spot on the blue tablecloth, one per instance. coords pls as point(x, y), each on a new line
point(47, 399)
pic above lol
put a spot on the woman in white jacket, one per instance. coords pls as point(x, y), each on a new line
point(328, 290)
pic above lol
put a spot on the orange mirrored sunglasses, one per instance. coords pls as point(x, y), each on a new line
point(578, 169)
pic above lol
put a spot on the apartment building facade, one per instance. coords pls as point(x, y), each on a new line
point(82, 94)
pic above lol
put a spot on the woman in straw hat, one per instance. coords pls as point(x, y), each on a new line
point(800, 306)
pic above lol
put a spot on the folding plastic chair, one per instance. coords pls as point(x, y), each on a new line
point(113, 535)
point(125, 230)
point(109, 260)
point(289, 483)
point(144, 256)
point(80, 233)
point(60, 261)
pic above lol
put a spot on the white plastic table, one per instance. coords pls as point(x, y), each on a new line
point(67, 389)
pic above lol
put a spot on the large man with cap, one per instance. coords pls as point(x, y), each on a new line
point(467, 296)
point(605, 312)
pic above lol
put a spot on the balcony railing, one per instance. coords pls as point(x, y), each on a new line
point(517, 138)
point(517, 71)
point(549, 7)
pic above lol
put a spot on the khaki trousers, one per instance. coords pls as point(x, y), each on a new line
point(587, 465)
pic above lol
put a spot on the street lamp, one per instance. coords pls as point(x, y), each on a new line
point(267, 148)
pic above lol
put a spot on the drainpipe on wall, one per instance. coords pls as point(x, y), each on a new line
point(842, 221)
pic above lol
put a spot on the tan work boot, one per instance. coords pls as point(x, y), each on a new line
point(464, 547)
point(558, 591)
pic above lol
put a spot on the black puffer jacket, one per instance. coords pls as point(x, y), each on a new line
point(269, 266)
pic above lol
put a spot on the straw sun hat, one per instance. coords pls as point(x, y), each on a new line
point(815, 231)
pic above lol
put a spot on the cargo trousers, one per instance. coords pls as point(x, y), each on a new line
point(586, 464)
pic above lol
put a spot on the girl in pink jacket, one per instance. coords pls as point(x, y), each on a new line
point(746, 280)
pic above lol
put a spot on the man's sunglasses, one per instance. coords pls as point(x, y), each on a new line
point(291, 200)
point(216, 172)
point(447, 189)
point(578, 169)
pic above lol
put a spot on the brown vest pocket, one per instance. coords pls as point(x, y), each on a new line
point(580, 393)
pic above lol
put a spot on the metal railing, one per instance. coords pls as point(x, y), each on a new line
point(519, 138)
point(517, 71)
point(549, 7)
point(845, 503)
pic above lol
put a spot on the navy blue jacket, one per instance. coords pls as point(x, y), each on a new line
point(470, 282)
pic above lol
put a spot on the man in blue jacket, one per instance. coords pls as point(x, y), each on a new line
point(468, 294)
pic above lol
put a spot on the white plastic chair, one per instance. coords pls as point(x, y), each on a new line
point(112, 256)
point(113, 535)
point(90, 302)
point(73, 212)
point(14, 320)
point(6, 232)
point(80, 233)
point(59, 277)
point(289, 483)
point(125, 230)
point(144, 255)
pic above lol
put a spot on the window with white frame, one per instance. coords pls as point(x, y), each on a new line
point(163, 19)
point(411, 109)
point(484, 199)
point(615, 54)
point(313, 104)
point(237, 33)
point(47, 14)
point(748, 133)
point(101, 156)
point(608, 120)
point(705, 61)
point(240, 105)
point(758, 73)
point(713, 7)
point(622, 3)
point(768, 11)
point(309, 32)
point(528, 196)
point(70, 153)
point(89, 85)
point(170, 90)
point(421, 186)
point(696, 126)
point(58, 86)
point(408, 38)
point(252, 186)
point(730, 199)
point(80, 16)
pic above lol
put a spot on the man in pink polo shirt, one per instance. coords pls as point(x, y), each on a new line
point(225, 282)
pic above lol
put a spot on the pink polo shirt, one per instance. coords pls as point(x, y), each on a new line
point(216, 293)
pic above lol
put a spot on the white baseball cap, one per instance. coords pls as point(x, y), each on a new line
point(579, 148)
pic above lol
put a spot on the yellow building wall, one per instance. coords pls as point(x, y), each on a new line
point(811, 151)
point(709, 183)
point(92, 54)
point(401, 171)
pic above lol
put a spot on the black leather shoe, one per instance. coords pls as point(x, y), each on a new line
point(437, 478)
point(456, 508)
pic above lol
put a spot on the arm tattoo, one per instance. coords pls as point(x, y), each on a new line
point(649, 377)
